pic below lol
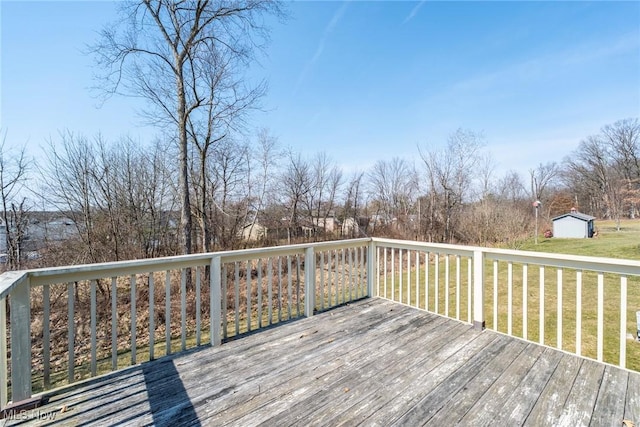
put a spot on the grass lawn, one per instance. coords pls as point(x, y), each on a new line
point(610, 243)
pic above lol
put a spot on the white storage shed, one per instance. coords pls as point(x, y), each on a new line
point(573, 225)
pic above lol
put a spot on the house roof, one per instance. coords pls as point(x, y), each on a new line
point(578, 215)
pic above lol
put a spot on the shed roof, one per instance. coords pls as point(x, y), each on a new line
point(578, 215)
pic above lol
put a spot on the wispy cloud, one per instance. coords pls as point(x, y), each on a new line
point(537, 68)
point(328, 30)
point(414, 12)
point(626, 43)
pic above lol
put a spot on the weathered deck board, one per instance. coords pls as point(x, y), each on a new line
point(445, 380)
point(493, 401)
point(324, 367)
point(352, 387)
point(373, 362)
point(549, 406)
point(632, 408)
point(392, 399)
point(578, 407)
point(518, 406)
point(364, 363)
point(447, 402)
point(612, 390)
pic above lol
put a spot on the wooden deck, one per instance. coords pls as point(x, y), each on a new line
point(373, 362)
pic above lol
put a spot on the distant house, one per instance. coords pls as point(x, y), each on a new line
point(574, 225)
point(350, 227)
point(328, 224)
point(254, 232)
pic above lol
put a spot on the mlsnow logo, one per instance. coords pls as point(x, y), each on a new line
point(34, 414)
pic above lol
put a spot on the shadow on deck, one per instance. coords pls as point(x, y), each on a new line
point(373, 362)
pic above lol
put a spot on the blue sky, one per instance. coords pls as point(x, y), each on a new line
point(365, 81)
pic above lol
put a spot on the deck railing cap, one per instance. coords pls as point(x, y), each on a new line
point(40, 276)
point(10, 279)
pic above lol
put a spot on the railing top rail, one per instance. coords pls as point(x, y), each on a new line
point(241, 255)
point(578, 262)
point(10, 280)
point(434, 247)
point(123, 268)
point(72, 273)
point(114, 269)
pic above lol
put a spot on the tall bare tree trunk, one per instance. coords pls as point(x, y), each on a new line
point(185, 201)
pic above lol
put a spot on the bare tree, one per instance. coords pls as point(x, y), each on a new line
point(604, 172)
point(140, 188)
point(485, 211)
point(267, 157)
point(221, 113)
point(450, 176)
point(14, 167)
point(353, 204)
point(118, 196)
point(229, 194)
point(393, 184)
point(512, 188)
point(589, 171)
point(296, 181)
point(325, 180)
point(623, 138)
point(501, 216)
point(181, 57)
point(70, 187)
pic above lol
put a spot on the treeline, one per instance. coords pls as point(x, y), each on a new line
point(121, 197)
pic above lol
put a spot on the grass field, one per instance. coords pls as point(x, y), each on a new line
point(610, 243)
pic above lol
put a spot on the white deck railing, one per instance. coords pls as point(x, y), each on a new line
point(215, 296)
point(587, 310)
point(193, 300)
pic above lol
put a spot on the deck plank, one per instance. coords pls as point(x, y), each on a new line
point(613, 389)
point(548, 407)
point(228, 389)
point(198, 364)
point(519, 405)
point(632, 405)
point(324, 369)
point(578, 408)
point(423, 406)
point(491, 404)
point(394, 393)
point(372, 362)
point(450, 401)
point(336, 398)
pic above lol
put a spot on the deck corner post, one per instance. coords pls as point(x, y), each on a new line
point(372, 261)
point(4, 379)
point(478, 289)
point(215, 302)
point(20, 341)
point(309, 281)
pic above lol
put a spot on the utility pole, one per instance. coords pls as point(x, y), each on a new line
point(536, 205)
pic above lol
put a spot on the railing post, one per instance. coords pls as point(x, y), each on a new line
point(215, 303)
point(478, 290)
point(372, 261)
point(4, 398)
point(309, 281)
point(20, 342)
